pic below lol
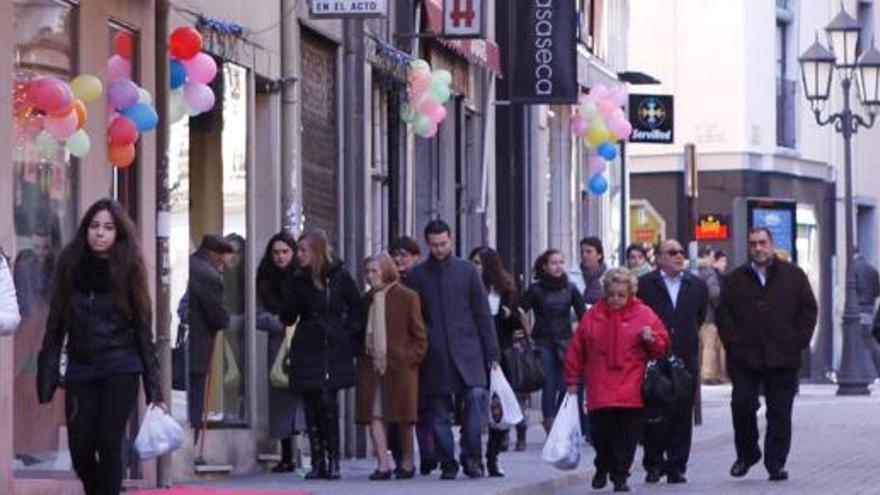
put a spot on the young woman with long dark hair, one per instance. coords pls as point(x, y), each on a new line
point(509, 326)
point(101, 304)
point(285, 408)
point(327, 302)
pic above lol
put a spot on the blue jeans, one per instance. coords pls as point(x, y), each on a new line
point(555, 387)
point(471, 428)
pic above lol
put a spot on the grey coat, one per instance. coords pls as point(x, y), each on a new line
point(461, 332)
point(207, 312)
point(285, 408)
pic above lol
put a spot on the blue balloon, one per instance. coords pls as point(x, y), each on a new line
point(143, 115)
point(177, 74)
point(598, 184)
point(607, 151)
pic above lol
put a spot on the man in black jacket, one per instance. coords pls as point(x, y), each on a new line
point(680, 299)
point(207, 315)
point(766, 319)
point(462, 346)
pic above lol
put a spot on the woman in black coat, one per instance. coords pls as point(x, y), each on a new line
point(101, 305)
point(552, 297)
point(509, 326)
point(285, 408)
point(326, 301)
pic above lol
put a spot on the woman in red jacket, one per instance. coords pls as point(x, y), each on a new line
point(609, 351)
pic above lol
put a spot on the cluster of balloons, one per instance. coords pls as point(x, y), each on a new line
point(48, 112)
point(190, 72)
point(600, 120)
point(130, 106)
point(427, 90)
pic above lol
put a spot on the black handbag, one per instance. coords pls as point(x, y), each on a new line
point(522, 367)
point(179, 358)
point(668, 385)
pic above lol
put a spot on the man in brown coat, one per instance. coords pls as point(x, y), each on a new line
point(766, 318)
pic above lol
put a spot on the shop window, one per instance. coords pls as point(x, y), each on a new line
point(123, 44)
point(44, 204)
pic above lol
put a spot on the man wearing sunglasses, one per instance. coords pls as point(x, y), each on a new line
point(680, 299)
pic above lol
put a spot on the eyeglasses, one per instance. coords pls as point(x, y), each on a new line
point(674, 252)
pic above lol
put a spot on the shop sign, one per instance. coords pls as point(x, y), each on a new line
point(652, 117)
point(332, 9)
point(713, 227)
point(463, 18)
point(647, 226)
point(543, 56)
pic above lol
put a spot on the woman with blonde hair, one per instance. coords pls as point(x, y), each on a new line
point(388, 372)
point(326, 301)
point(609, 352)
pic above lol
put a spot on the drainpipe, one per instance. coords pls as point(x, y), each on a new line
point(163, 224)
point(290, 132)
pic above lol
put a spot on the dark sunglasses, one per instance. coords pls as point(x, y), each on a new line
point(674, 252)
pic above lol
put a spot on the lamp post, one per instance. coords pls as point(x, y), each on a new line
point(817, 66)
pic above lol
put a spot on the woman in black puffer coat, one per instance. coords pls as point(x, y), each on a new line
point(327, 302)
point(101, 303)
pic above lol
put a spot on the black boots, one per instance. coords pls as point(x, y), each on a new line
point(496, 440)
point(331, 439)
point(521, 437)
point(319, 463)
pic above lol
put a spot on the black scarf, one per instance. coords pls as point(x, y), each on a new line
point(92, 274)
point(551, 282)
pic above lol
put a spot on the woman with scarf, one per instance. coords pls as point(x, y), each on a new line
point(388, 371)
point(609, 352)
point(552, 297)
point(285, 408)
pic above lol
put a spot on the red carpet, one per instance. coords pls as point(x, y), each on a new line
point(192, 490)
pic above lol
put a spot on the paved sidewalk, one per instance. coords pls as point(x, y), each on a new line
point(835, 450)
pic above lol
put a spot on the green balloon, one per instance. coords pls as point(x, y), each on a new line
point(46, 145)
point(419, 64)
point(422, 124)
point(406, 113)
point(439, 93)
point(79, 144)
point(441, 76)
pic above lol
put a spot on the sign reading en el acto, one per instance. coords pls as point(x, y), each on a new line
point(349, 8)
point(653, 119)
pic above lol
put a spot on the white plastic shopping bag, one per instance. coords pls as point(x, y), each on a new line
point(562, 448)
point(504, 410)
point(159, 434)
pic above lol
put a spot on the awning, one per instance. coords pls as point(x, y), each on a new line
point(484, 53)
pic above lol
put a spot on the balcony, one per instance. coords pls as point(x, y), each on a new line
point(786, 98)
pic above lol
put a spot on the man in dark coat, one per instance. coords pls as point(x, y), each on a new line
point(462, 345)
point(868, 290)
point(207, 315)
point(680, 299)
point(766, 319)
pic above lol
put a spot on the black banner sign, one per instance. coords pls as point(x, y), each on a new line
point(543, 52)
point(652, 118)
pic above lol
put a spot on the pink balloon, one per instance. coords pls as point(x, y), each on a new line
point(618, 96)
point(606, 108)
point(579, 125)
point(432, 131)
point(420, 81)
point(599, 92)
point(49, 94)
point(61, 127)
point(620, 128)
point(597, 164)
point(118, 68)
point(435, 111)
point(201, 68)
point(198, 97)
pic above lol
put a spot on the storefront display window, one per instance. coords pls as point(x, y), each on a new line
point(44, 202)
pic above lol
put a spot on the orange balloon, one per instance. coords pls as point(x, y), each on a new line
point(121, 155)
point(82, 115)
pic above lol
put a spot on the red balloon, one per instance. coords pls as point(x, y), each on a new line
point(122, 131)
point(49, 94)
point(121, 156)
point(185, 43)
point(124, 44)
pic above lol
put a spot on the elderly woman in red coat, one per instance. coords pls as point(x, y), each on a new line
point(609, 351)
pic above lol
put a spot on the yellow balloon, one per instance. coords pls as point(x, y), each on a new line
point(86, 87)
point(598, 134)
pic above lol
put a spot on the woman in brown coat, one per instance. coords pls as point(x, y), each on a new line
point(388, 371)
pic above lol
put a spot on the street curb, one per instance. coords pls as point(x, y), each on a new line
point(547, 486)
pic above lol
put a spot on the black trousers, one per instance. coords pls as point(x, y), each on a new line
point(615, 433)
point(322, 419)
point(780, 386)
point(97, 412)
point(668, 440)
point(196, 402)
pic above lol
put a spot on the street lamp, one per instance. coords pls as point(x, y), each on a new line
point(817, 65)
